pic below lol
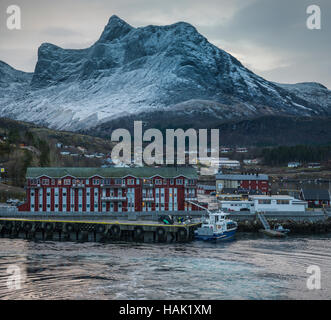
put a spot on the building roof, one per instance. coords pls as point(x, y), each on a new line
point(277, 197)
point(221, 176)
point(207, 187)
point(229, 190)
point(315, 194)
point(249, 191)
point(240, 191)
point(141, 172)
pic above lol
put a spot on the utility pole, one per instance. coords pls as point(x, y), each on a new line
point(329, 192)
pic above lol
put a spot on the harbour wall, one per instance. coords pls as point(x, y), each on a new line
point(308, 222)
point(298, 224)
point(58, 229)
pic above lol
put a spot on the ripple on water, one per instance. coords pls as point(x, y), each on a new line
point(249, 268)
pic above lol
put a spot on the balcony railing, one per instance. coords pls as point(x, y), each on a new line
point(113, 185)
point(148, 199)
point(148, 185)
point(113, 198)
point(78, 185)
point(191, 198)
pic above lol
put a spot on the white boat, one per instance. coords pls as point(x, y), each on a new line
point(280, 228)
point(216, 226)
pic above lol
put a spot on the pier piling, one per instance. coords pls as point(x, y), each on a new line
point(99, 231)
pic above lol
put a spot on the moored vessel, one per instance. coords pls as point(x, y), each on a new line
point(216, 226)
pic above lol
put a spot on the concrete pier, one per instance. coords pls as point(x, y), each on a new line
point(90, 230)
point(142, 226)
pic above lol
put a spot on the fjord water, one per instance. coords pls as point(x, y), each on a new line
point(250, 267)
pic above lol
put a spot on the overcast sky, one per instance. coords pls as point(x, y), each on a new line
point(269, 37)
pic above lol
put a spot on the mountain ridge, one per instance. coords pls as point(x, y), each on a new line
point(131, 70)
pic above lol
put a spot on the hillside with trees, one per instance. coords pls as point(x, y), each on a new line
point(281, 155)
point(23, 145)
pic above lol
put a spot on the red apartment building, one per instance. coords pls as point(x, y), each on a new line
point(110, 189)
point(247, 182)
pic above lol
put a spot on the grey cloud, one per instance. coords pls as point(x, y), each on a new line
point(279, 27)
point(61, 32)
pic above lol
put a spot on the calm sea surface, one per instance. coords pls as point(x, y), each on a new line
point(250, 267)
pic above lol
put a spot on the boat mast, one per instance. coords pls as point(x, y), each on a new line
point(198, 205)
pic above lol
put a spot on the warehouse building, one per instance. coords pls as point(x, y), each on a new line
point(316, 198)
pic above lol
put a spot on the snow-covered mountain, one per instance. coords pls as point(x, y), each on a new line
point(313, 92)
point(12, 83)
point(137, 70)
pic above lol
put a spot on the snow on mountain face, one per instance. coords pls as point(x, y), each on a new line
point(132, 70)
point(9, 75)
point(312, 92)
point(13, 84)
point(12, 81)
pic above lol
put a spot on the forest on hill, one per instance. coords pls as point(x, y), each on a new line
point(23, 145)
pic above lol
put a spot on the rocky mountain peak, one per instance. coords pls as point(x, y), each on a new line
point(9, 75)
point(115, 29)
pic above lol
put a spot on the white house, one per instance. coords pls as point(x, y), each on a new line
point(227, 163)
point(226, 150)
point(237, 205)
point(262, 203)
point(315, 165)
point(251, 161)
point(293, 164)
point(59, 145)
point(278, 203)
